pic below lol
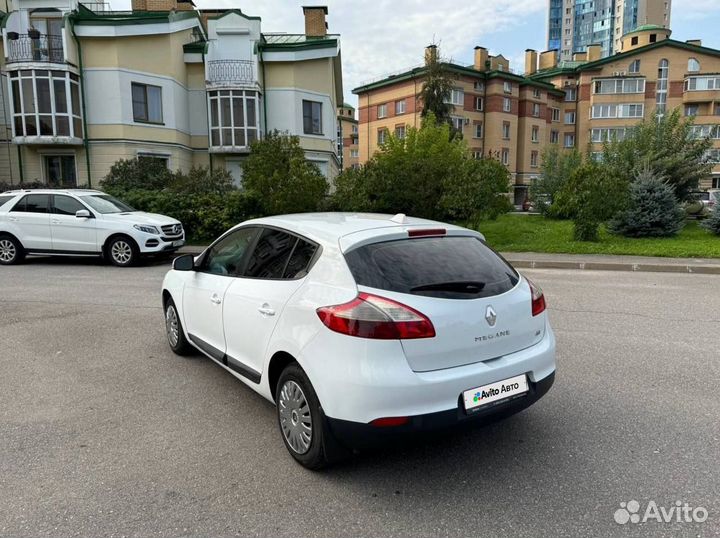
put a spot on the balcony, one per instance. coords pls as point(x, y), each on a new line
point(34, 48)
point(231, 73)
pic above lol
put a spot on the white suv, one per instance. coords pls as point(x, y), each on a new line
point(81, 223)
point(359, 326)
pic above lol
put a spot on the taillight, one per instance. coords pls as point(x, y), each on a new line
point(427, 232)
point(371, 316)
point(538, 299)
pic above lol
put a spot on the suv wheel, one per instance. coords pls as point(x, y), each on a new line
point(122, 252)
point(300, 418)
point(174, 330)
point(11, 251)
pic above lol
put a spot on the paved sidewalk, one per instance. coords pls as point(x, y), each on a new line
point(594, 262)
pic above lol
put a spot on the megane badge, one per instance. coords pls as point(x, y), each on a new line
point(490, 316)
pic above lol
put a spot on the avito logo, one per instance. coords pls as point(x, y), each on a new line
point(485, 394)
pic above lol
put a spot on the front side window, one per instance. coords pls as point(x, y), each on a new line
point(312, 117)
point(233, 117)
point(147, 103)
point(226, 257)
point(46, 103)
point(66, 205)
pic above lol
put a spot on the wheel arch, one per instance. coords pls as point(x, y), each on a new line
point(12, 236)
point(116, 235)
point(278, 362)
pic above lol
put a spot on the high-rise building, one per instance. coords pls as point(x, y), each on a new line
point(575, 24)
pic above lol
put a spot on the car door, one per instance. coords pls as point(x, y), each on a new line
point(70, 233)
point(31, 217)
point(254, 302)
point(205, 289)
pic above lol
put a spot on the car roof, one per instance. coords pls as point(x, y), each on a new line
point(53, 191)
point(329, 228)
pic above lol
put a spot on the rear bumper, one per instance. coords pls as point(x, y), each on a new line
point(361, 435)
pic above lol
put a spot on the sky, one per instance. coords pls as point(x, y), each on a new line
point(379, 37)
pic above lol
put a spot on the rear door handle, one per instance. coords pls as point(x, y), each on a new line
point(265, 310)
point(12, 219)
point(215, 298)
point(55, 221)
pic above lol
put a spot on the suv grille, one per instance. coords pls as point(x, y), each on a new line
point(172, 229)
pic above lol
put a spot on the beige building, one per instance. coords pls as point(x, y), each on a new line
point(84, 87)
point(348, 136)
point(575, 104)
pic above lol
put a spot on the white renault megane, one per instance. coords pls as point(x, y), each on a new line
point(359, 325)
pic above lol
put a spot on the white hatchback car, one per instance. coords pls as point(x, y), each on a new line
point(81, 223)
point(361, 325)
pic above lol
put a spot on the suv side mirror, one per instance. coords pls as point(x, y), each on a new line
point(82, 214)
point(184, 263)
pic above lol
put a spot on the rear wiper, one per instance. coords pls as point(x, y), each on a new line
point(462, 286)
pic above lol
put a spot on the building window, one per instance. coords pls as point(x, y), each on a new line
point(507, 87)
point(477, 155)
point(354, 153)
point(533, 159)
point(661, 87)
point(705, 131)
point(619, 85)
point(691, 110)
point(479, 102)
point(536, 110)
point(634, 40)
point(693, 65)
point(536, 93)
point(653, 38)
point(702, 83)
point(399, 107)
point(161, 160)
point(382, 111)
point(312, 117)
point(554, 136)
point(715, 183)
point(457, 97)
point(569, 140)
point(505, 156)
point(617, 111)
point(606, 134)
point(457, 122)
point(45, 103)
point(60, 171)
point(570, 94)
point(555, 114)
point(147, 103)
point(234, 117)
point(400, 132)
point(535, 134)
point(354, 129)
point(569, 118)
point(634, 66)
point(479, 130)
point(479, 86)
point(507, 106)
point(506, 130)
point(382, 136)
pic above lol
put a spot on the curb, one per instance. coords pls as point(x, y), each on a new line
point(617, 266)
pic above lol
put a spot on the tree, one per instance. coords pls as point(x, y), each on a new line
point(202, 180)
point(556, 167)
point(653, 210)
point(277, 173)
point(130, 174)
point(437, 89)
point(665, 143)
point(712, 223)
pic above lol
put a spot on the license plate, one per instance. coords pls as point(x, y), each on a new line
point(507, 388)
point(178, 243)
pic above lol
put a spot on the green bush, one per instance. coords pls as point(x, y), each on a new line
point(712, 223)
point(130, 174)
point(653, 210)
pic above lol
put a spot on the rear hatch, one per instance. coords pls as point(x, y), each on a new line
point(478, 304)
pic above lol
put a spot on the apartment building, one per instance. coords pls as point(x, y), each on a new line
point(348, 147)
point(573, 25)
point(576, 104)
point(84, 87)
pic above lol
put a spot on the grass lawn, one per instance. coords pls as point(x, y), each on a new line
point(533, 233)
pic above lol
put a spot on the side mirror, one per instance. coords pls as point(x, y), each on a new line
point(184, 263)
point(83, 214)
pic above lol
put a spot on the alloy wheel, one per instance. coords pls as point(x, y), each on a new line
point(7, 250)
point(121, 252)
point(171, 325)
point(295, 417)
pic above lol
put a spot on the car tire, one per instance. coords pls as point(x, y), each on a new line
point(297, 405)
point(122, 251)
point(174, 331)
point(11, 251)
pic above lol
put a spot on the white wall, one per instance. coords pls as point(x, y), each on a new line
point(285, 112)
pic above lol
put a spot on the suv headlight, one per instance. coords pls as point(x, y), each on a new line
point(147, 229)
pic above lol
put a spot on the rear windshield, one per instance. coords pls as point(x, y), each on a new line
point(445, 267)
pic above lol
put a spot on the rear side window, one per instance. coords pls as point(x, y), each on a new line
point(300, 259)
point(5, 199)
point(271, 254)
point(33, 203)
point(444, 267)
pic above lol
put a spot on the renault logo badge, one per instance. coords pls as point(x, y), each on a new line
point(490, 316)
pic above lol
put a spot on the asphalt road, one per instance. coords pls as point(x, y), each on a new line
point(104, 432)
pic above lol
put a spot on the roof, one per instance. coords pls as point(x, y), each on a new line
point(84, 16)
point(648, 27)
point(485, 75)
point(54, 191)
point(297, 41)
point(329, 228)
